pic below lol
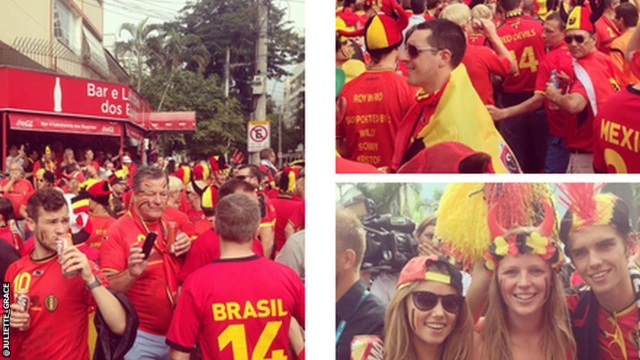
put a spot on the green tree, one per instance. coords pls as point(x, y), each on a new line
point(220, 128)
point(233, 24)
point(136, 47)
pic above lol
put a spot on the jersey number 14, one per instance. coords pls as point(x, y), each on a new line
point(527, 60)
point(236, 336)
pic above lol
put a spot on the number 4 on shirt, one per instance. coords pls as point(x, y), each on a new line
point(527, 60)
point(236, 336)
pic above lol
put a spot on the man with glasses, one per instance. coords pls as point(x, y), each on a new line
point(371, 106)
point(597, 79)
point(152, 283)
point(558, 59)
point(253, 175)
point(448, 107)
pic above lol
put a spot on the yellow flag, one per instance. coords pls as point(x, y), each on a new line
point(462, 117)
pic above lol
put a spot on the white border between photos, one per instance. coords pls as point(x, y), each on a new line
point(321, 180)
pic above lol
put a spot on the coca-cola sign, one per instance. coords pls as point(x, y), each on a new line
point(24, 123)
point(109, 129)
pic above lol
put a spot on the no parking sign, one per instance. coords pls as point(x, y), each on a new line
point(258, 135)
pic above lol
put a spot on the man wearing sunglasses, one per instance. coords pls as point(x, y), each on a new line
point(254, 176)
point(372, 105)
point(597, 79)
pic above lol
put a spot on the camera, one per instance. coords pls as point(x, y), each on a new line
point(390, 241)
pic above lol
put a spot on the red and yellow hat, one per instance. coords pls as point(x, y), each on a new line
point(417, 270)
point(201, 172)
point(209, 198)
point(383, 32)
point(100, 192)
point(581, 17)
point(183, 173)
point(288, 179)
point(218, 163)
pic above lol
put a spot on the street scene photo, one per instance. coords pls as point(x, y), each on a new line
point(152, 192)
point(473, 271)
point(493, 86)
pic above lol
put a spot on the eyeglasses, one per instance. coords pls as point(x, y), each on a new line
point(578, 38)
point(426, 300)
point(414, 51)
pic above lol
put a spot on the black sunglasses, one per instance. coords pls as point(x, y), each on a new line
point(242, 177)
point(414, 51)
point(426, 300)
point(578, 38)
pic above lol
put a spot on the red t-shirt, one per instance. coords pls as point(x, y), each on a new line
point(344, 166)
point(421, 114)
point(617, 145)
point(195, 215)
point(284, 208)
point(521, 35)
point(17, 193)
point(481, 62)
point(149, 292)
point(558, 58)
point(100, 226)
point(603, 74)
point(634, 65)
point(269, 219)
point(606, 31)
point(59, 310)
point(244, 314)
point(297, 217)
point(94, 164)
point(7, 235)
point(376, 103)
point(204, 250)
point(476, 39)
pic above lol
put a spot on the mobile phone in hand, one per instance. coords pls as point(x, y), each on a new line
point(148, 244)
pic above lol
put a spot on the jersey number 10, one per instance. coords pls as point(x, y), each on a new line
point(527, 60)
point(236, 336)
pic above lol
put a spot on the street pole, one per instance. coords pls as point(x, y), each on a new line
point(260, 112)
point(280, 120)
point(227, 74)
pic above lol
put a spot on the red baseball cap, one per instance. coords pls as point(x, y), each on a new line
point(416, 270)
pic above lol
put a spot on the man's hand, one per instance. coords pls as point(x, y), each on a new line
point(552, 93)
point(19, 318)
point(182, 244)
point(563, 78)
point(497, 114)
point(136, 262)
point(74, 260)
point(486, 27)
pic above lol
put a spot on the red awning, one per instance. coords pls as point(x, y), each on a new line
point(134, 132)
point(183, 121)
point(63, 124)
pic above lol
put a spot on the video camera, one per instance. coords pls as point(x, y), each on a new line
point(390, 241)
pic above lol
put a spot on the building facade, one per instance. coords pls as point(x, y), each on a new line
point(294, 95)
point(61, 36)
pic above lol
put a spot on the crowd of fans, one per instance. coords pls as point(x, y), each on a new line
point(448, 86)
point(209, 282)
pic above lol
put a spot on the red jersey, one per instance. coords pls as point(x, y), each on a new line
point(606, 32)
point(59, 310)
point(9, 237)
point(344, 166)
point(617, 333)
point(284, 208)
point(100, 226)
point(415, 120)
point(481, 62)
point(617, 144)
point(149, 292)
point(376, 103)
point(634, 65)
point(521, 35)
point(269, 219)
point(17, 193)
point(204, 250)
point(201, 226)
point(195, 215)
point(297, 217)
point(604, 77)
point(476, 39)
point(244, 314)
point(558, 58)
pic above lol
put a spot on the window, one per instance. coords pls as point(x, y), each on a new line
point(65, 25)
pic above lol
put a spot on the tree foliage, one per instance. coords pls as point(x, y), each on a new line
point(136, 48)
point(220, 127)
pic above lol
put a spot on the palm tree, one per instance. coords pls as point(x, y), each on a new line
point(136, 45)
point(176, 51)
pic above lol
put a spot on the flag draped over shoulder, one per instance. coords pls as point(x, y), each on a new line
point(462, 117)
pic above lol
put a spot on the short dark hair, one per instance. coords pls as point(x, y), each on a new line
point(232, 186)
point(432, 4)
point(6, 209)
point(555, 16)
point(47, 198)
point(254, 171)
point(237, 218)
point(628, 13)
point(445, 34)
point(508, 5)
point(620, 222)
point(377, 55)
point(147, 173)
point(266, 153)
point(430, 220)
point(417, 6)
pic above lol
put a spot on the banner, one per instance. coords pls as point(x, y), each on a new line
point(44, 123)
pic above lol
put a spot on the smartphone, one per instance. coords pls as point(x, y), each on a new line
point(148, 244)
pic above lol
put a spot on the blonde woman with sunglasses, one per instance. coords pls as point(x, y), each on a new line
point(427, 317)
